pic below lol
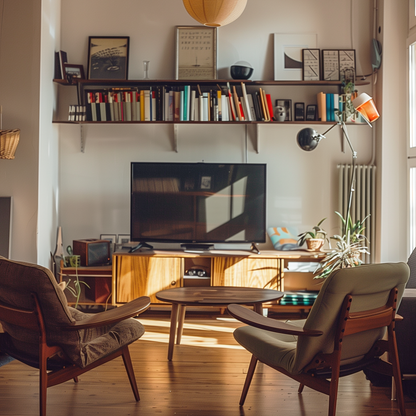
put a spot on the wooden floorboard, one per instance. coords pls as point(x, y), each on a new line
point(205, 378)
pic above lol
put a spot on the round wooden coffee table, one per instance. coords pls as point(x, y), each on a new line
point(182, 297)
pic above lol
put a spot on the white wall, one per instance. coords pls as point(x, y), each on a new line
point(19, 96)
point(392, 132)
point(94, 186)
point(48, 134)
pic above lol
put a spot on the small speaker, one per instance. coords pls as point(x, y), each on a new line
point(92, 252)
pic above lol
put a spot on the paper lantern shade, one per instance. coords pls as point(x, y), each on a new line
point(215, 12)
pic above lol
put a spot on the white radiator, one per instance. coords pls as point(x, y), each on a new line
point(363, 201)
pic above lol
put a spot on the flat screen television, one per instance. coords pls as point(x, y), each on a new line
point(197, 204)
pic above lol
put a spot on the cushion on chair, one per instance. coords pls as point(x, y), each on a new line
point(369, 285)
point(18, 280)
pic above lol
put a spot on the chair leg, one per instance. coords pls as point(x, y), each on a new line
point(130, 372)
point(300, 389)
point(43, 384)
point(249, 377)
point(333, 391)
point(76, 380)
point(394, 359)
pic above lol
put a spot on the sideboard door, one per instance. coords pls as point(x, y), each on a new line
point(248, 272)
point(137, 276)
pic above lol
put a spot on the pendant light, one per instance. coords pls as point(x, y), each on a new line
point(215, 12)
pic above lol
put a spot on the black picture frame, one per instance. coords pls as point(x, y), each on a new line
point(311, 64)
point(347, 64)
point(72, 71)
point(330, 65)
point(108, 57)
point(311, 112)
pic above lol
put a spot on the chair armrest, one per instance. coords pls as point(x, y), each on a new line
point(111, 316)
point(252, 318)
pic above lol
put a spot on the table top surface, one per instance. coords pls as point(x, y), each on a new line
point(218, 295)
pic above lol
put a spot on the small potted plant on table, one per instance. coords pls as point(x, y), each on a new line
point(315, 239)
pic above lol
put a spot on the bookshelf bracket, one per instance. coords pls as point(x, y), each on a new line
point(175, 137)
point(82, 138)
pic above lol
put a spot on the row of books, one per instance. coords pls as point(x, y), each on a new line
point(179, 104)
point(331, 105)
point(77, 113)
point(328, 106)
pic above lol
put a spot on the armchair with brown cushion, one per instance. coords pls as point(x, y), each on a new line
point(343, 334)
point(41, 330)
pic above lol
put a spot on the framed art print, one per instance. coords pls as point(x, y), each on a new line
point(196, 52)
point(108, 57)
point(288, 55)
point(346, 62)
point(311, 64)
point(330, 64)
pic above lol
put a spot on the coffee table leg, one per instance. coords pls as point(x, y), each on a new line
point(258, 307)
point(173, 322)
point(181, 319)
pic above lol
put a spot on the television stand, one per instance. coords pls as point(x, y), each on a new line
point(195, 246)
point(139, 246)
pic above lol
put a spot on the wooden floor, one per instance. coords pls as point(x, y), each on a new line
point(205, 378)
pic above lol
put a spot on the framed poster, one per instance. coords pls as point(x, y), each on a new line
point(288, 55)
point(330, 64)
point(311, 64)
point(196, 52)
point(108, 57)
point(347, 63)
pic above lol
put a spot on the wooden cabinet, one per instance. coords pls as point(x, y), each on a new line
point(98, 287)
point(247, 272)
point(135, 276)
point(150, 271)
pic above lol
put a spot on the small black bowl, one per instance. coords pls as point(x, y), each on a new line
point(241, 72)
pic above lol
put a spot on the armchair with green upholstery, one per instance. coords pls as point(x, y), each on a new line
point(41, 330)
point(343, 334)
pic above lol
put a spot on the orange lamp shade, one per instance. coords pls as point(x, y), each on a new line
point(215, 12)
point(364, 104)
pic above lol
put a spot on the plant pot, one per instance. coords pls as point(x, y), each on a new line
point(314, 244)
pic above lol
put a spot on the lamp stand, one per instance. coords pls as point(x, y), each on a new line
point(352, 177)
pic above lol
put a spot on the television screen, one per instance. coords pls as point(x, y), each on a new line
point(198, 203)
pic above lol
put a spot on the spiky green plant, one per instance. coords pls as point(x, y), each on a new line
point(348, 250)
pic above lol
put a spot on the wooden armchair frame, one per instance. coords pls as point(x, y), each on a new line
point(323, 372)
point(32, 319)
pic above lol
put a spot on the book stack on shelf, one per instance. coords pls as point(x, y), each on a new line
point(301, 298)
point(178, 103)
point(329, 105)
point(77, 113)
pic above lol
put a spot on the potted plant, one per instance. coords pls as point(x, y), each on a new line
point(73, 260)
point(348, 250)
point(315, 238)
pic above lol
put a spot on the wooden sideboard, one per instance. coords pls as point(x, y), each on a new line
point(144, 273)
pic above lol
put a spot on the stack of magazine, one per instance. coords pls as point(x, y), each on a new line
point(300, 298)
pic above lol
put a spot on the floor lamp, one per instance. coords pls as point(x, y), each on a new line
point(308, 138)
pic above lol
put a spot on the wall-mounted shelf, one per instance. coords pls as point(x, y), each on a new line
point(100, 85)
